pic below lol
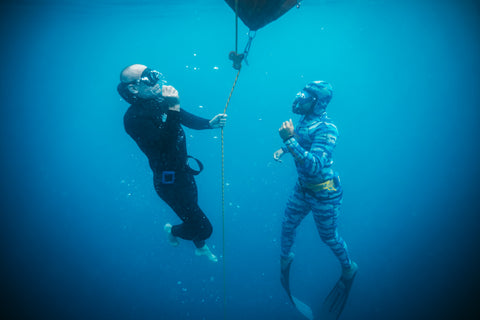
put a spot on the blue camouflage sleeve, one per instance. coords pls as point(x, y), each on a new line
point(319, 156)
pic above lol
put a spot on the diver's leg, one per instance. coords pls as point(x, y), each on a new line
point(325, 214)
point(195, 226)
point(198, 225)
point(202, 228)
point(296, 210)
point(182, 197)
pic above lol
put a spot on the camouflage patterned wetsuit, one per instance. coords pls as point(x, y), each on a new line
point(318, 187)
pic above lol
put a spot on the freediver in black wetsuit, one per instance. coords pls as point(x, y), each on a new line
point(154, 121)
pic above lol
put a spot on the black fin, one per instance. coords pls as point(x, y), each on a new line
point(303, 308)
point(337, 298)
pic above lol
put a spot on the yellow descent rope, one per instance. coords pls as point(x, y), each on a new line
point(223, 204)
point(223, 170)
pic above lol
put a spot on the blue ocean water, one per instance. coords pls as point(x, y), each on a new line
point(82, 226)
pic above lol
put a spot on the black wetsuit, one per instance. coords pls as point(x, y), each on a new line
point(159, 134)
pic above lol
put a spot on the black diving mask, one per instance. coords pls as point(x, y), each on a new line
point(150, 77)
point(303, 103)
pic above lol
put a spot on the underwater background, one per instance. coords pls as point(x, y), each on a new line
point(82, 227)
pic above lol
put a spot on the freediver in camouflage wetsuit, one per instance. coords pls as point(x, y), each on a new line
point(318, 189)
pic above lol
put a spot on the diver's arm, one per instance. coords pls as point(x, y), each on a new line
point(319, 154)
point(173, 121)
point(193, 122)
point(172, 125)
point(307, 158)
